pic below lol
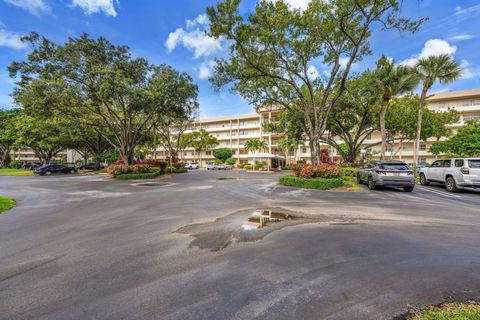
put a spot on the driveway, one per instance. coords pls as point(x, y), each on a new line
point(87, 247)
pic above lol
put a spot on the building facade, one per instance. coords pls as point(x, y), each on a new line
point(233, 131)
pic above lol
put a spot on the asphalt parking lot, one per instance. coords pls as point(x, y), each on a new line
point(87, 247)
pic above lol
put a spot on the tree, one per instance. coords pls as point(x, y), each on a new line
point(354, 117)
point(393, 80)
point(100, 84)
point(441, 68)
point(222, 154)
point(8, 134)
point(466, 143)
point(255, 145)
point(47, 137)
point(272, 51)
point(202, 141)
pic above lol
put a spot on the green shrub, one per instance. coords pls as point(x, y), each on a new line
point(322, 170)
point(175, 170)
point(15, 165)
point(138, 176)
point(260, 164)
point(231, 161)
point(6, 204)
point(248, 166)
point(311, 183)
point(217, 161)
point(348, 171)
point(119, 169)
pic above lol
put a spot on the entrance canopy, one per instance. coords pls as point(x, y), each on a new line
point(265, 156)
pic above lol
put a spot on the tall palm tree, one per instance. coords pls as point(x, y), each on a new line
point(442, 68)
point(393, 80)
point(255, 145)
point(202, 141)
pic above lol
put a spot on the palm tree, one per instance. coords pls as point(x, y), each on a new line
point(285, 145)
point(202, 141)
point(442, 68)
point(393, 80)
point(255, 145)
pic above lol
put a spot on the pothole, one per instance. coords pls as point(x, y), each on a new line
point(244, 226)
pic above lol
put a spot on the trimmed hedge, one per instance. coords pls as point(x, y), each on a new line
point(138, 176)
point(6, 204)
point(311, 183)
point(175, 170)
point(349, 171)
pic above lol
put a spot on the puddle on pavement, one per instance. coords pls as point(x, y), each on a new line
point(244, 226)
point(149, 184)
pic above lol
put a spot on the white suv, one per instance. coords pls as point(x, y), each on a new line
point(192, 166)
point(456, 173)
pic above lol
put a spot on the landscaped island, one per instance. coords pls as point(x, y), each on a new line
point(146, 170)
point(6, 204)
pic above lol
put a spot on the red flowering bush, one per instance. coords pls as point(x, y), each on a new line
point(119, 169)
point(323, 170)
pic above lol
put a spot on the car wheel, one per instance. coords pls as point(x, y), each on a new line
point(48, 173)
point(359, 179)
point(423, 180)
point(451, 185)
point(408, 189)
point(371, 184)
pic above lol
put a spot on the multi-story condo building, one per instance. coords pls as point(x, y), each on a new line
point(233, 131)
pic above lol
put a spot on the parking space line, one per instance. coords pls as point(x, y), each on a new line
point(444, 194)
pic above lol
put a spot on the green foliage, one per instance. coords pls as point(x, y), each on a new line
point(6, 204)
point(449, 311)
point(348, 171)
point(311, 183)
point(202, 140)
point(248, 166)
point(466, 143)
point(15, 172)
point(8, 134)
point(137, 176)
point(222, 154)
point(107, 156)
point(15, 165)
point(273, 48)
point(217, 161)
point(231, 161)
point(116, 170)
point(94, 82)
point(255, 145)
point(322, 170)
point(175, 170)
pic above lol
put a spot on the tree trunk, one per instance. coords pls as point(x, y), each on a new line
point(419, 123)
point(314, 150)
point(383, 129)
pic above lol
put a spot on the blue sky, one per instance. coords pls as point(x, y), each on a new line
point(171, 32)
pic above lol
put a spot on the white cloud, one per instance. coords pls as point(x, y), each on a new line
point(462, 37)
point(205, 70)
point(343, 62)
point(201, 19)
point(312, 72)
point(468, 72)
point(433, 47)
point(195, 40)
point(296, 4)
point(11, 40)
point(35, 7)
point(95, 6)
point(467, 11)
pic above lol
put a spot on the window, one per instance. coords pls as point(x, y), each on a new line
point(422, 160)
point(467, 103)
point(423, 147)
point(437, 164)
point(369, 137)
point(474, 164)
point(389, 166)
point(459, 163)
point(473, 116)
point(208, 153)
point(304, 150)
point(447, 163)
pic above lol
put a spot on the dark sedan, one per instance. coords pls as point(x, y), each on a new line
point(49, 169)
point(89, 166)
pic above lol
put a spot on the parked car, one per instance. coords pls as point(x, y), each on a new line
point(192, 166)
point(211, 166)
point(31, 165)
point(89, 166)
point(387, 174)
point(224, 166)
point(49, 169)
point(456, 173)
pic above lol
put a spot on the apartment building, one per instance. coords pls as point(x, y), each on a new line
point(233, 131)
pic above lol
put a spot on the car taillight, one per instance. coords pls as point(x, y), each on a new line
point(465, 171)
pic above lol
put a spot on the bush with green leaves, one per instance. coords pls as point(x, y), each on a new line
point(311, 183)
point(322, 170)
point(15, 165)
point(138, 176)
point(348, 171)
point(248, 166)
point(116, 170)
point(175, 170)
point(222, 154)
point(231, 161)
point(217, 161)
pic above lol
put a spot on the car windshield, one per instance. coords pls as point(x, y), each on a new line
point(390, 166)
point(474, 164)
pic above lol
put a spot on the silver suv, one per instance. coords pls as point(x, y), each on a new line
point(387, 174)
point(456, 173)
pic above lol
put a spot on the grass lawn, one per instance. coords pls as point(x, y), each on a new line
point(15, 172)
point(6, 204)
point(449, 311)
point(351, 183)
